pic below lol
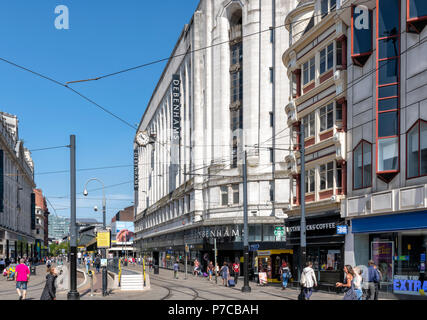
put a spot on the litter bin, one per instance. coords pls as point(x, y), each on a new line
point(156, 269)
point(33, 270)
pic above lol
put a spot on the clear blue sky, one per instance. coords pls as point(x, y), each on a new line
point(104, 37)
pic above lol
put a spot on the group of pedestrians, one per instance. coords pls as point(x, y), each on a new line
point(360, 283)
point(22, 277)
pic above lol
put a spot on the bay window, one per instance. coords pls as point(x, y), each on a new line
point(327, 117)
point(327, 58)
point(308, 71)
point(310, 180)
point(417, 15)
point(309, 125)
point(416, 148)
point(388, 154)
point(362, 165)
point(388, 79)
point(326, 174)
point(327, 6)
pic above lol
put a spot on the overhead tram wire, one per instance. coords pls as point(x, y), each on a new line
point(72, 90)
point(196, 50)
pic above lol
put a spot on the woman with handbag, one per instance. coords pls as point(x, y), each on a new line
point(348, 285)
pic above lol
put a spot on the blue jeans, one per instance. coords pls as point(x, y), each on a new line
point(359, 293)
point(285, 282)
point(308, 292)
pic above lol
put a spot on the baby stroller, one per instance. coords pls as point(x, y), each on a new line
point(10, 275)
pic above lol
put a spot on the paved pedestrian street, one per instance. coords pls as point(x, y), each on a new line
point(165, 287)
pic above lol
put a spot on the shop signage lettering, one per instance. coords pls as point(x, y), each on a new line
point(219, 233)
point(135, 169)
point(176, 107)
point(342, 230)
point(312, 227)
point(406, 286)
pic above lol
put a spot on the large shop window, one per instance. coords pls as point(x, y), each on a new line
point(308, 71)
point(416, 15)
point(417, 150)
point(326, 173)
point(362, 165)
point(388, 64)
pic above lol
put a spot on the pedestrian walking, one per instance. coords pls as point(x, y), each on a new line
point(22, 276)
point(308, 281)
point(225, 274)
point(175, 269)
point(236, 270)
point(285, 274)
point(2, 265)
point(87, 263)
point(377, 284)
point(196, 270)
point(358, 282)
point(97, 264)
point(348, 284)
point(210, 270)
point(49, 291)
point(373, 279)
point(48, 263)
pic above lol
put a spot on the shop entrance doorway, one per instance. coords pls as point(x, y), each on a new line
point(270, 261)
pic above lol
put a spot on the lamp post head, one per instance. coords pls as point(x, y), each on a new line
point(85, 193)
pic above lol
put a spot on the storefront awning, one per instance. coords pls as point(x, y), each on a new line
point(395, 222)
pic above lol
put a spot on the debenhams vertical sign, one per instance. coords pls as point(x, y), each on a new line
point(176, 108)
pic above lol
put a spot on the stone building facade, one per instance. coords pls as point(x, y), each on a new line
point(223, 93)
point(17, 200)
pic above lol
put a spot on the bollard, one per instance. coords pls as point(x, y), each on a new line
point(91, 282)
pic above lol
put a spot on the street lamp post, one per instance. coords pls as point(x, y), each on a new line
point(103, 251)
point(246, 287)
point(73, 294)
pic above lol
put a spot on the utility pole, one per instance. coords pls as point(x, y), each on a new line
point(246, 287)
point(186, 266)
point(104, 251)
point(216, 261)
point(73, 294)
point(303, 245)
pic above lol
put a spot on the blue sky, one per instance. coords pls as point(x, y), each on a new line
point(104, 37)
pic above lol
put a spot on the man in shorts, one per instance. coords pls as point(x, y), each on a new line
point(22, 275)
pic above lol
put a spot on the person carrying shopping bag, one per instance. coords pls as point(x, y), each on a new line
point(308, 281)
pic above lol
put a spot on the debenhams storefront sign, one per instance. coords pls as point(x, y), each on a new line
point(219, 232)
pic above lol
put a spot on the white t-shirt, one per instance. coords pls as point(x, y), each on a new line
point(358, 281)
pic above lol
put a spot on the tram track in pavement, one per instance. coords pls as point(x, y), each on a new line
point(31, 288)
point(197, 292)
point(170, 288)
point(173, 284)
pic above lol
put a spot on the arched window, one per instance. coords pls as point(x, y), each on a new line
point(416, 150)
point(362, 165)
